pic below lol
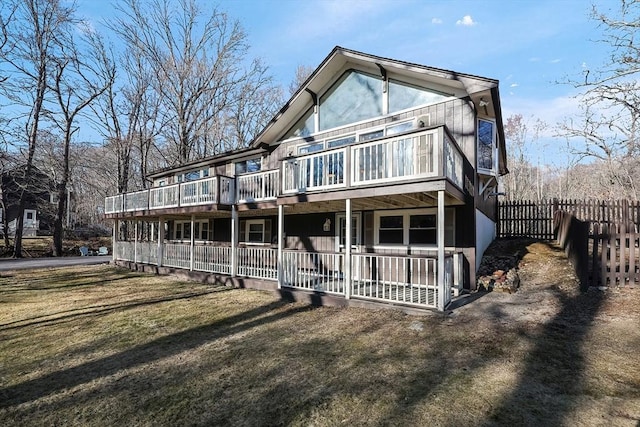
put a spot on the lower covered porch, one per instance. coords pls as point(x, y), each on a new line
point(305, 246)
point(406, 280)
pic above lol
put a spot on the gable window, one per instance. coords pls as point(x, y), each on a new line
point(255, 231)
point(403, 96)
point(412, 227)
point(249, 165)
point(487, 147)
point(353, 98)
point(305, 126)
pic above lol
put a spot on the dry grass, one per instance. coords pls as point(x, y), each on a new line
point(42, 246)
point(101, 346)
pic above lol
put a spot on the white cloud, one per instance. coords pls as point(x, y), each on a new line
point(466, 20)
point(555, 61)
point(436, 21)
point(514, 85)
point(534, 59)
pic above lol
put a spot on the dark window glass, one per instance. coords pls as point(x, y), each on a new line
point(485, 144)
point(391, 229)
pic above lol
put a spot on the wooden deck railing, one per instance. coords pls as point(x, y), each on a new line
point(212, 190)
point(407, 280)
point(258, 186)
point(430, 153)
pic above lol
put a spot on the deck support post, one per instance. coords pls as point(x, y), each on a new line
point(347, 249)
point(280, 245)
point(160, 252)
point(135, 241)
point(192, 243)
point(234, 241)
point(114, 240)
point(440, 238)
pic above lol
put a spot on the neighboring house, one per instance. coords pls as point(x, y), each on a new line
point(39, 209)
point(402, 155)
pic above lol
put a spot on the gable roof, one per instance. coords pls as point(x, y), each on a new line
point(341, 59)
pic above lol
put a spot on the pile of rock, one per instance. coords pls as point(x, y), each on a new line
point(500, 280)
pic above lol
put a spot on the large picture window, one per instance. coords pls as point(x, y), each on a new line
point(403, 96)
point(355, 97)
point(412, 227)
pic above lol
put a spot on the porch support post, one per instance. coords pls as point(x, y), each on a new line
point(440, 238)
point(347, 250)
point(135, 241)
point(114, 240)
point(192, 242)
point(280, 245)
point(234, 241)
point(160, 253)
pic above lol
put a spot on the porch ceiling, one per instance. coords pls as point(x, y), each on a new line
point(396, 201)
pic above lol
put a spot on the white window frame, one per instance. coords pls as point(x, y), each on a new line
point(494, 148)
point(247, 227)
point(181, 223)
point(202, 173)
point(406, 223)
point(309, 144)
point(260, 159)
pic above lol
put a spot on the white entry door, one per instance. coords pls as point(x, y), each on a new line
point(341, 221)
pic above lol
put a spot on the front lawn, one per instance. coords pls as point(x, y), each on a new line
point(102, 346)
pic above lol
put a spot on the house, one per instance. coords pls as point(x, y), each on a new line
point(39, 211)
point(375, 182)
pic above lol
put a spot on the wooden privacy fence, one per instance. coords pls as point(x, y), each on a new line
point(535, 218)
point(601, 254)
point(615, 255)
point(573, 235)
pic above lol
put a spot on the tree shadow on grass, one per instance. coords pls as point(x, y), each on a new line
point(553, 378)
point(91, 311)
point(143, 354)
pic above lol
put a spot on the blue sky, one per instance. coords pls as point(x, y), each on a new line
point(527, 45)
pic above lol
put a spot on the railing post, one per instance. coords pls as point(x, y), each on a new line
point(160, 252)
point(114, 240)
point(135, 241)
point(440, 239)
point(347, 250)
point(280, 245)
point(192, 242)
point(234, 241)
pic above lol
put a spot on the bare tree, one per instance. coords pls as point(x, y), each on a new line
point(196, 62)
point(33, 43)
point(253, 104)
point(127, 118)
point(525, 180)
point(607, 128)
point(303, 72)
point(79, 78)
